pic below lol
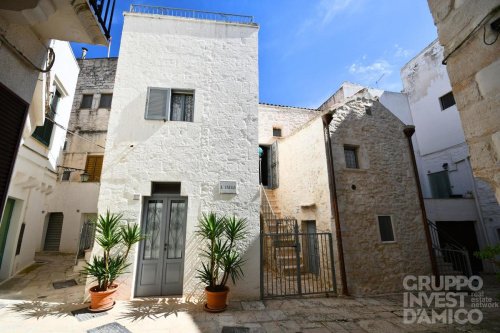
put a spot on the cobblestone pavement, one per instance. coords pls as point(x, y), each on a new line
point(22, 310)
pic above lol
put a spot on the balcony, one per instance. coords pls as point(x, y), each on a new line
point(452, 209)
point(192, 14)
point(83, 21)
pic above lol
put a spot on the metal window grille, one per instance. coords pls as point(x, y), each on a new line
point(86, 101)
point(105, 101)
point(447, 100)
point(65, 175)
point(386, 230)
point(351, 158)
point(182, 106)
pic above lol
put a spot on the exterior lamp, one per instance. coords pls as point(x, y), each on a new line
point(84, 177)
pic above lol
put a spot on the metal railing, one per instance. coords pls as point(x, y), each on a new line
point(103, 10)
point(192, 14)
point(452, 258)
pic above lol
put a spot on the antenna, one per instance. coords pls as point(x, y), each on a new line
point(380, 78)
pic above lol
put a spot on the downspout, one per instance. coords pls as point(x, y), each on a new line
point(327, 118)
point(408, 131)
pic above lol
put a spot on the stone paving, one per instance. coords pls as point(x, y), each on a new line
point(23, 310)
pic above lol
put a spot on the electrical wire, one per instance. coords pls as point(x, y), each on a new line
point(487, 17)
point(73, 133)
point(50, 59)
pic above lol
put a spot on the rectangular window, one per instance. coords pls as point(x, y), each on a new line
point(86, 101)
point(65, 175)
point(94, 167)
point(182, 106)
point(20, 239)
point(105, 101)
point(277, 132)
point(167, 104)
point(440, 185)
point(44, 133)
point(351, 157)
point(385, 228)
point(447, 100)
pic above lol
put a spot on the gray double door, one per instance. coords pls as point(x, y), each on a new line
point(160, 268)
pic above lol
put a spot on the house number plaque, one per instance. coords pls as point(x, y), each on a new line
point(227, 187)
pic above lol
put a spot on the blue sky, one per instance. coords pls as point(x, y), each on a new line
point(307, 48)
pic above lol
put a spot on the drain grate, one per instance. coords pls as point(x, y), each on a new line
point(109, 328)
point(235, 329)
point(64, 284)
point(85, 314)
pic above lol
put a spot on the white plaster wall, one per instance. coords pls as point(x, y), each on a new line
point(425, 80)
point(219, 61)
point(286, 118)
point(34, 176)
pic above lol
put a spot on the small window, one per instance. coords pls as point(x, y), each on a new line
point(44, 133)
point(447, 100)
point(368, 110)
point(277, 132)
point(440, 184)
point(86, 102)
point(94, 167)
point(105, 101)
point(182, 106)
point(65, 175)
point(351, 157)
point(385, 228)
point(20, 239)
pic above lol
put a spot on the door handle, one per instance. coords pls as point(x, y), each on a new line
point(165, 247)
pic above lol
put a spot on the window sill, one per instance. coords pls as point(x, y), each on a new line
point(389, 242)
point(355, 170)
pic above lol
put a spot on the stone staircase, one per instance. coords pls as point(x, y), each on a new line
point(273, 202)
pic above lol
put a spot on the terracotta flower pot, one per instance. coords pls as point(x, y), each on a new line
point(102, 300)
point(216, 300)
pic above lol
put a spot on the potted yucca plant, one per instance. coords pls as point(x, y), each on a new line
point(116, 239)
point(223, 260)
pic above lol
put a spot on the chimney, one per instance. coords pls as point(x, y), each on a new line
point(84, 52)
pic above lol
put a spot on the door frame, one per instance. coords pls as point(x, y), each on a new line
point(140, 252)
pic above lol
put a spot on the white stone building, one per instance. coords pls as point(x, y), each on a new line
point(183, 119)
point(27, 221)
point(26, 30)
point(461, 205)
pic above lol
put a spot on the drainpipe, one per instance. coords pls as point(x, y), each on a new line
point(408, 131)
point(327, 118)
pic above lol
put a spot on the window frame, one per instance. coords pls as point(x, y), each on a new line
point(355, 149)
point(91, 101)
point(167, 113)
point(100, 101)
point(63, 175)
point(443, 108)
point(391, 219)
point(280, 132)
point(44, 138)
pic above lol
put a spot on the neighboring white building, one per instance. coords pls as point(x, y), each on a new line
point(461, 205)
point(183, 119)
point(25, 222)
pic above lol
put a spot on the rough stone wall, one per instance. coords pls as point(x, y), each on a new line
point(490, 210)
point(288, 119)
point(474, 68)
point(97, 76)
point(303, 191)
point(383, 185)
point(219, 61)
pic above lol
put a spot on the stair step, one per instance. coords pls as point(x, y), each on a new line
point(291, 269)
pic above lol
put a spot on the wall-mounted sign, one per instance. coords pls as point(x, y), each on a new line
point(227, 187)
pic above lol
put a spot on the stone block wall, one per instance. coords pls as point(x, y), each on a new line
point(384, 184)
point(474, 67)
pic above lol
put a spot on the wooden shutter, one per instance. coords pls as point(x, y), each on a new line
point(94, 168)
point(158, 103)
point(13, 111)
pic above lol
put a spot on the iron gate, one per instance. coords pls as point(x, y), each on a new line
point(295, 263)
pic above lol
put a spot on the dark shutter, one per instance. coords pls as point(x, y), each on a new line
point(86, 101)
point(44, 133)
point(13, 111)
point(447, 101)
point(385, 227)
point(157, 103)
point(105, 101)
point(53, 234)
point(94, 168)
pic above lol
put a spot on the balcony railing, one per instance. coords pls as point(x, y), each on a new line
point(192, 14)
point(103, 10)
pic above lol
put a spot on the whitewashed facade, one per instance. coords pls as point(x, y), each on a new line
point(215, 65)
point(35, 173)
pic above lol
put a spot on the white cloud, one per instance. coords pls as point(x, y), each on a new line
point(369, 74)
point(324, 12)
point(401, 52)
